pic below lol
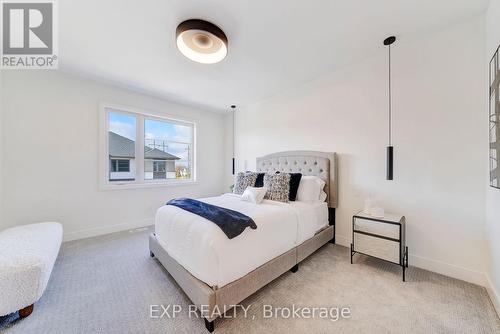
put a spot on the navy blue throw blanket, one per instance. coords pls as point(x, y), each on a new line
point(231, 222)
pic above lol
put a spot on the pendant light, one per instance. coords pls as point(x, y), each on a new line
point(390, 149)
point(233, 109)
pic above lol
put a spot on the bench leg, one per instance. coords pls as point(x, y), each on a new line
point(295, 268)
point(210, 325)
point(23, 313)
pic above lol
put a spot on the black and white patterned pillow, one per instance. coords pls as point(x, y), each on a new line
point(278, 187)
point(294, 184)
point(244, 180)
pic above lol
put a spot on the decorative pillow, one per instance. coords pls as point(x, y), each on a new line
point(323, 196)
point(254, 194)
point(294, 185)
point(310, 188)
point(259, 182)
point(278, 187)
point(244, 180)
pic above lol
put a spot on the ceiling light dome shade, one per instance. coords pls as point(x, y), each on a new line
point(201, 41)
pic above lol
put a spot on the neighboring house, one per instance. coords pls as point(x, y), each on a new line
point(157, 164)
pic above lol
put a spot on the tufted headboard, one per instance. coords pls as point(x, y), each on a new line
point(321, 164)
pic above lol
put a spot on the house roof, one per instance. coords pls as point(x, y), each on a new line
point(121, 147)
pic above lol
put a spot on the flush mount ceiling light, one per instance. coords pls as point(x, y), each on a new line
point(201, 41)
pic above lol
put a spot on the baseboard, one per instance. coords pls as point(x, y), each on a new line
point(493, 293)
point(96, 231)
point(443, 268)
point(343, 241)
point(450, 270)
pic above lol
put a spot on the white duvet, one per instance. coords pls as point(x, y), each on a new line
point(203, 249)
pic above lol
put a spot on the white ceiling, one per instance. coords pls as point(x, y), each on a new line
point(273, 44)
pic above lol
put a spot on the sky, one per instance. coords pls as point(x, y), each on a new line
point(125, 125)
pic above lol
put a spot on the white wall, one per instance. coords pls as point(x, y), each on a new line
point(50, 167)
point(438, 137)
point(493, 195)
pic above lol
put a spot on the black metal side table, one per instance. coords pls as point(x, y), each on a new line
point(382, 238)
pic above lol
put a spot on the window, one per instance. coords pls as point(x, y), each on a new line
point(141, 148)
point(159, 166)
point(120, 166)
point(168, 150)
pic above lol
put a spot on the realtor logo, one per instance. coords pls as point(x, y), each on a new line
point(28, 35)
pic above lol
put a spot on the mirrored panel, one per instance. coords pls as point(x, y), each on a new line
point(494, 117)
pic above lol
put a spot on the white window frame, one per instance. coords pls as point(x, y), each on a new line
point(141, 115)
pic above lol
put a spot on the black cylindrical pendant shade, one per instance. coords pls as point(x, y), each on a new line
point(390, 162)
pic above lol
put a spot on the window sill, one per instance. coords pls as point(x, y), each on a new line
point(110, 186)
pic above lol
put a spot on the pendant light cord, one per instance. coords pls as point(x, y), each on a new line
point(233, 109)
point(390, 100)
point(233, 130)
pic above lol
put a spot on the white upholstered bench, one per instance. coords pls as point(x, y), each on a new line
point(27, 256)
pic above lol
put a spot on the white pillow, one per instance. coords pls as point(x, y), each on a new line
point(322, 196)
point(310, 188)
point(254, 194)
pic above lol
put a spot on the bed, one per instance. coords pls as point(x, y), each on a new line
point(213, 270)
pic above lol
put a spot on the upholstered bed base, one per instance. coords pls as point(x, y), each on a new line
point(213, 298)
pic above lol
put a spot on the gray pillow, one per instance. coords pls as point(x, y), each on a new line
point(278, 187)
point(244, 180)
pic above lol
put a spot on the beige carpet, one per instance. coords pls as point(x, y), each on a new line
point(106, 284)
